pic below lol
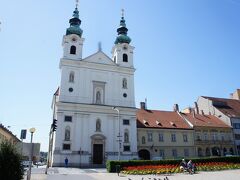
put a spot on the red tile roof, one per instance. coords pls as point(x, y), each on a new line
point(229, 107)
point(160, 119)
point(204, 120)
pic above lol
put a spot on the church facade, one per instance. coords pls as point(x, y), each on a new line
point(95, 103)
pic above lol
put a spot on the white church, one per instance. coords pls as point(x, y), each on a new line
point(95, 103)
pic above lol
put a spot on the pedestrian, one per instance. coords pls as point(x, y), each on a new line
point(190, 167)
point(66, 162)
point(183, 165)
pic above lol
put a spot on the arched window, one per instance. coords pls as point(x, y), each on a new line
point(124, 83)
point(98, 97)
point(98, 125)
point(143, 140)
point(73, 50)
point(126, 136)
point(67, 134)
point(125, 58)
point(71, 77)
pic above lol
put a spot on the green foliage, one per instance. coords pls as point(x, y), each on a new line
point(111, 165)
point(10, 162)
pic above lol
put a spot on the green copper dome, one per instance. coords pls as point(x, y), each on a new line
point(75, 24)
point(122, 33)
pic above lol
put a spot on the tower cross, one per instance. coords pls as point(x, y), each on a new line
point(77, 3)
point(122, 12)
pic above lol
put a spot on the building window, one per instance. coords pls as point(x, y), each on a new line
point(161, 153)
point(124, 83)
point(66, 146)
point(126, 137)
point(73, 50)
point(174, 153)
point(115, 59)
point(143, 140)
point(98, 125)
point(222, 136)
point(186, 152)
point(71, 77)
point(126, 148)
point(150, 139)
point(126, 122)
point(67, 134)
point(185, 138)
point(205, 136)
point(236, 125)
point(173, 137)
point(68, 118)
point(160, 137)
point(198, 137)
point(125, 58)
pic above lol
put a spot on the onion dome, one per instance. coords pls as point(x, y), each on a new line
point(75, 24)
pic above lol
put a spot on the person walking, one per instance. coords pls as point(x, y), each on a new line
point(66, 162)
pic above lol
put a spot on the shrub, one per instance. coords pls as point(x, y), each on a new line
point(10, 162)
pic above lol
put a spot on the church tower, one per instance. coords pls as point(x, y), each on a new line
point(95, 103)
point(122, 52)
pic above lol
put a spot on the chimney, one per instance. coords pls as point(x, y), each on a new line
point(142, 105)
point(175, 107)
point(196, 108)
point(236, 94)
point(193, 113)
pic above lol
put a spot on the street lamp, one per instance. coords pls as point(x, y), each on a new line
point(119, 141)
point(32, 130)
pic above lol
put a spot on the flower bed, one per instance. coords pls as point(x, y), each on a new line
point(166, 169)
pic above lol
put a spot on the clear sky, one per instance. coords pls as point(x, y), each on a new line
point(184, 49)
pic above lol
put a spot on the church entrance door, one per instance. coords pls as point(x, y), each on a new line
point(97, 153)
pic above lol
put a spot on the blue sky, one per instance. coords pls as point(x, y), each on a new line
point(183, 49)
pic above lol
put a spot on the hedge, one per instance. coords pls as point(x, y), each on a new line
point(111, 165)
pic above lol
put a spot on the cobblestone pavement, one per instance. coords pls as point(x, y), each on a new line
point(101, 174)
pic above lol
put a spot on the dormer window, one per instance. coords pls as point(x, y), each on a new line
point(173, 124)
point(145, 122)
point(158, 123)
point(125, 58)
point(73, 50)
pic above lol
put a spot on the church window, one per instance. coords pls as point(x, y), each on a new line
point(115, 60)
point(126, 136)
point(68, 118)
point(126, 148)
point(73, 50)
point(67, 134)
point(126, 122)
point(125, 58)
point(71, 77)
point(98, 125)
point(124, 83)
point(125, 95)
point(70, 89)
point(66, 146)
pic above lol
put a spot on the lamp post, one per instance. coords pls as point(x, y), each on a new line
point(119, 136)
point(32, 130)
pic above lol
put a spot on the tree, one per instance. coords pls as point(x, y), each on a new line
point(10, 162)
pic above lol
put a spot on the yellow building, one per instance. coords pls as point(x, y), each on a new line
point(163, 135)
point(6, 135)
point(211, 135)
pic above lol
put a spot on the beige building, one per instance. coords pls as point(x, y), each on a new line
point(227, 110)
point(7, 135)
point(163, 135)
point(212, 136)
